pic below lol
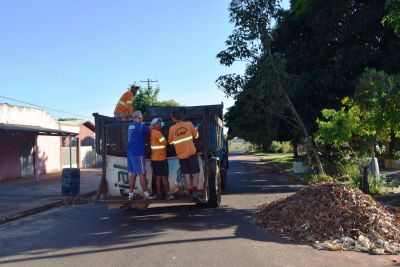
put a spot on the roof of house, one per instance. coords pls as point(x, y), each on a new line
point(88, 124)
point(18, 128)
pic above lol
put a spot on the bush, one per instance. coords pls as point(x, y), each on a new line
point(250, 147)
point(286, 146)
point(396, 154)
point(317, 178)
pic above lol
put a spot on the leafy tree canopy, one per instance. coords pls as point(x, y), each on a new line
point(393, 16)
point(146, 97)
point(370, 118)
point(68, 119)
point(167, 103)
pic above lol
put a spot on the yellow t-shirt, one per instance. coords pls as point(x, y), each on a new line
point(181, 135)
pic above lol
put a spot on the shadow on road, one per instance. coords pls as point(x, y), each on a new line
point(253, 176)
point(131, 229)
point(93, 228)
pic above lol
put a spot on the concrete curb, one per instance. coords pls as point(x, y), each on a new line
point(292, 175)
point(42, 208)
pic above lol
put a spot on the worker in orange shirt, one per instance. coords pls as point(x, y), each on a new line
point(159, 162)
point(124, 108)
point(181, 135)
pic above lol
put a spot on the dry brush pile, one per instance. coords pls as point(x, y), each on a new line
point(333, 217)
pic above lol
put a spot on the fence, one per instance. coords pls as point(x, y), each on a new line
point(87, 157)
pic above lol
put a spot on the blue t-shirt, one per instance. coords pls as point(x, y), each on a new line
point(136, 141)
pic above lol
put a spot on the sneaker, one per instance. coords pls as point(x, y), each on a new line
point(194, 195)
point(169, 196)
point(159, 197)
point(133, 195)
point(148, 197)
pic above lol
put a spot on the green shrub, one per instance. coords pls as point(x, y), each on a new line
point(317, 178)
point(250, 147)
point(286, 146)
point(349, 170)
point(396, 154)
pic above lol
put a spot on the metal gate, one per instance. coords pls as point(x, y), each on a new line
point(27, 158)
point(66, 156)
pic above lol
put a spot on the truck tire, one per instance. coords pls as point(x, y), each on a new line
point(214, 191)
point(224, 177)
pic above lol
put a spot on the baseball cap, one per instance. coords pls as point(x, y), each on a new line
point(134, 85)
point(137, 114)
point(155, 121)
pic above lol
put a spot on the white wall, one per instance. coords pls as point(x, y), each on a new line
point(27, 116)
point(70, 128)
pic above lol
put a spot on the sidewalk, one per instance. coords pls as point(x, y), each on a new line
point(20, 197)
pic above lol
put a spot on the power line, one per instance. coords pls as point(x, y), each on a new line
point(77, 83)
point(43, 107)
point(148, 81)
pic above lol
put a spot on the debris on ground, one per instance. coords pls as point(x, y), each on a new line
point(75, 200)
point(333, 217)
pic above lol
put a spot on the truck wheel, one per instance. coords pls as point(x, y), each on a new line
point(224, 177)
point(214, 191)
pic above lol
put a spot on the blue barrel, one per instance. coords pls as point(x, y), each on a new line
point(70, 181)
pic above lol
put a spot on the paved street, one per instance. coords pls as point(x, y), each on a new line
point(181, 235)
point(20, 196)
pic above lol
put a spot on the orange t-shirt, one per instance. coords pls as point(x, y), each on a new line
point(125, 104)
point(158, 145)
point(181, 135)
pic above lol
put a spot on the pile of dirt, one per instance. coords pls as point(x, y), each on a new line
point(333, 217)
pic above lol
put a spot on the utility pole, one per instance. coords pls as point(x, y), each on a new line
point(148, 81)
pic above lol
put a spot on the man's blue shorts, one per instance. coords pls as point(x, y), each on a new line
point(136, 164)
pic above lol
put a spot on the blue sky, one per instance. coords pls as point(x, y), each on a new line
point(80, 56)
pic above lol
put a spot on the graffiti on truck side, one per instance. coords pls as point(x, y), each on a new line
point(123, 179)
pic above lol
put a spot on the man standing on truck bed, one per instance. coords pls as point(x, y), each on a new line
point(181, 135)
point(136, 154)
point(124, 107)
point(159, 159)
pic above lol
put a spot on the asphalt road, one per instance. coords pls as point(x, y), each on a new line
point(182, 235)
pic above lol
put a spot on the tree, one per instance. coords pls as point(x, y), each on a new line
point(167, 103)
point(393, 16)
point(68, 119)
point(146, 97)
point(266, 80)
point(371, 118)
point(275, 146)
point(327, 45)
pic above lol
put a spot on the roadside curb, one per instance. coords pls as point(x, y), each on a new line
point(286, 172)
point(42, 208)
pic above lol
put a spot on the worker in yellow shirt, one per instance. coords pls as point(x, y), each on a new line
point(124, 107)
point(159, 162)
point(181, 135)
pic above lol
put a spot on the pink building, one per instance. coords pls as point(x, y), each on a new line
point(30, 142)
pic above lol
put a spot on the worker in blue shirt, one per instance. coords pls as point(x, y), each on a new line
point(136, 154)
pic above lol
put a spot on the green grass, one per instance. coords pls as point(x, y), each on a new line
point(240, 145)
point(283, 160)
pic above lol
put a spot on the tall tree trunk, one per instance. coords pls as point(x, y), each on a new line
point(365, 182)
point(295, 148)
point(311, 150)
